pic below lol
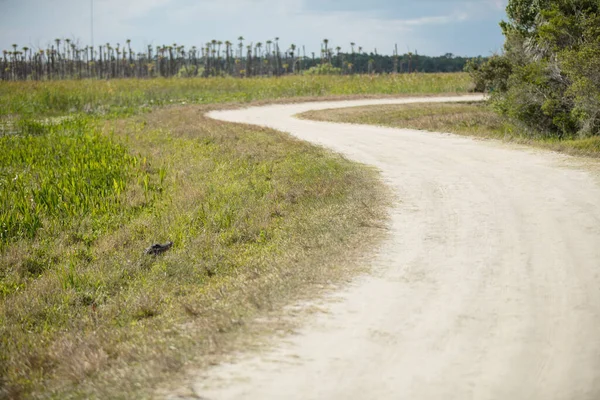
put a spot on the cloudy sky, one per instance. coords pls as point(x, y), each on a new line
point(431, 27)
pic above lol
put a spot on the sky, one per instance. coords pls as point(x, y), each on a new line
point(429, 27)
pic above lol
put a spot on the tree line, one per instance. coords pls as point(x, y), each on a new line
point(65, 59)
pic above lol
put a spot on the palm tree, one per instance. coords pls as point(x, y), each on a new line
point(258, 55)
point(352, 44)
point(292, 50)
point(216, 54)
point(241, 46)
point(268, 56)
point(228, 45)
point(395, 59)
point(416, 61)
point(325, 50)
point(249, 60)
point(277, 57)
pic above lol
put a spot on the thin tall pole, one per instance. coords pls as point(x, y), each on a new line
point(92, 21)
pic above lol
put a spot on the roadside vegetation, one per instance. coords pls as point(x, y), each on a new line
point(471, 119)
point(93, 172)
point(547, 80)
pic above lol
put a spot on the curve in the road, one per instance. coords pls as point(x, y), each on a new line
point(488, 288)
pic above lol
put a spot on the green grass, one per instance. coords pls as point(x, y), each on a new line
point(126, 96)
point(61, 172)
point(471, 119)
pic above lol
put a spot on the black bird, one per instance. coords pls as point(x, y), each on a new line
point(158, 248)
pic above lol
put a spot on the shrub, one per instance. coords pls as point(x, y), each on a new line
point(489, 75)
point(189, 71)
point(323, 69)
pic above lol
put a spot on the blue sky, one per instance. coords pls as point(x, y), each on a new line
point(431, 27)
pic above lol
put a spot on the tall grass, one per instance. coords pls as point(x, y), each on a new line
point(62, 178)
point(61, 171)
point(128, 95)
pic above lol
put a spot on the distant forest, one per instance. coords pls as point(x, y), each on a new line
point(65, 59)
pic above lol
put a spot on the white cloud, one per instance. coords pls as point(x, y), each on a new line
point(434, 20)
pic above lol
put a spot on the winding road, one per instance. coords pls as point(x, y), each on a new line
point(487, 288)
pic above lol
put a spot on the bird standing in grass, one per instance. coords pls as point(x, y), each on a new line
point(158, 248)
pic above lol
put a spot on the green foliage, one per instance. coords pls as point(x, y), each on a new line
point(490, 75)
point(59, 171)
point(523, 14)
point(581, 65)
point(190, 71)
point(547, 80)
point(323, 69)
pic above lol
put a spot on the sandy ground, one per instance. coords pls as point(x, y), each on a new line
point(488, 287)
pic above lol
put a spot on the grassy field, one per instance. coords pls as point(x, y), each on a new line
point(127, 96)
point(251, 212)
point(96, 171)
point(471, 119)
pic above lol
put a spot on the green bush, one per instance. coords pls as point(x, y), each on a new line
point(190, 71)
point(323, 69)
point(490, 75)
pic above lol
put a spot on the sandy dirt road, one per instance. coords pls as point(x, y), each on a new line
point(488, 287)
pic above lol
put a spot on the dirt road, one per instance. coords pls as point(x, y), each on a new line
point(488, 287)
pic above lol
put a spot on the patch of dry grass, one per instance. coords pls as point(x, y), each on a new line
point(470, 119)
point(258, 219)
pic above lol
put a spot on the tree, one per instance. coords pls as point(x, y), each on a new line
point(548, 80)
point(522, 14)
point(326, 50)
point(292, 53)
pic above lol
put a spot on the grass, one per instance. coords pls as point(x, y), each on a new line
point(257, 219)
point(128, 96)
point(470, 119)
point(61, 172)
